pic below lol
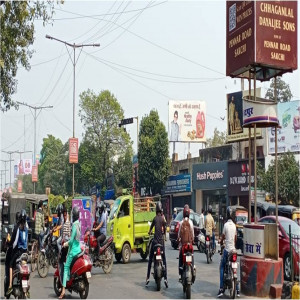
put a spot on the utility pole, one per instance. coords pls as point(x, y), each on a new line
point(35, 108)
point(1, 172)
point(5, 162)
point(74, 61)
point(10, 160)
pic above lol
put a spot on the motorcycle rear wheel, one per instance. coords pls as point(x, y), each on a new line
point(42, 265)
point(109, 262)
point(233, 288)
point(57, 286)
point(188, 291)
point(158, 284)
point(84, 294)
point(207, 255)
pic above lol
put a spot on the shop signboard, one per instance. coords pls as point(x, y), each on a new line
point(178, 184)
point(261, 33)
point(238, 177)
point(187, 121)
point(210, 176)
point(235, 130)
point(288, 136)
point(85, 217)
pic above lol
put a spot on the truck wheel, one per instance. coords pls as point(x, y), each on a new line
point(144, 255)
point(118, 257)
point(126, 253)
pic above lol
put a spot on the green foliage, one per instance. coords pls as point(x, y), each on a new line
point(218, 139)
point(17, 35)
point(27, 185)
point(104, 142)
point(288, 179)
point(153, 156)
point(52, 170)
point(284, 93)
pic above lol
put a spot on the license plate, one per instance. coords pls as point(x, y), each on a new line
point(188, 258)
point(172, 227)
point(234, 265)
point(24, 283)
point(88, 275)
point(158, 257)
point(207, 243)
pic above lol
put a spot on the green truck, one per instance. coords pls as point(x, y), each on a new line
point(129, 223)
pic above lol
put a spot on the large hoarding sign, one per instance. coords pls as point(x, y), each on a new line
point(261, 33)
point(85, 217)
point(73, 150)
point(25, 166)
point(235, 130)
point(240, 36)
point(276, 33)
point(187, 121)
point(288, 136)
point(178, 183)
point(34, 174)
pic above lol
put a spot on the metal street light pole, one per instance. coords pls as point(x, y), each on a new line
point(10, 160)
point(74, 61)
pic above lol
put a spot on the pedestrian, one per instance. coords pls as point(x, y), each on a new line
point(201, 224)
point(39, 224)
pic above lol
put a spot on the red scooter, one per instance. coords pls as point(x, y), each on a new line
point(103, 257)
point(80, 274)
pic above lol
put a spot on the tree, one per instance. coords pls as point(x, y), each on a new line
point(104, 141)
point(17, 35)
point(218, 139)
point(52, 170)
point(284, 93)
point(153, 156)
point(27, 185)
point(288, 179)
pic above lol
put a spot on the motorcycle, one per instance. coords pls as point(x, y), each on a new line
point(230, 272)
point(21, 276)
point(80, 274)
point(103, 257)
point(188, 273)
point(208, 249)
point(201, 242)
point(49, 255)
point(159, 268)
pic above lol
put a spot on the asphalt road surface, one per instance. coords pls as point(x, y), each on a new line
point(128, 280)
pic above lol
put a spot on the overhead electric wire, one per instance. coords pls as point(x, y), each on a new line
point(45, 62)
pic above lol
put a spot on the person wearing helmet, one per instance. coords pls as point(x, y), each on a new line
point(210, 227)
point(9, 242)
point(60, 209)
point(229, 235)
point(185, 235)
point(174, 213)
point(74, 248)
point(19, 245)
point(102, 221)
point(159, 222)
point(39, 227)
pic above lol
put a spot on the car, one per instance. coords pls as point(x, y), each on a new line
point(284, 243)
point(174, 227)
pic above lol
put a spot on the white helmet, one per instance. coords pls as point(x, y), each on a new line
point(175, 209)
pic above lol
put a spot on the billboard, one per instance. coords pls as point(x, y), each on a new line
point(261, 33)
point(20, 186)
point(16, 171)
point(73, 150)
point(25, 166)
point(187, 121)
point(35, 174)
point(288, 136)
point(235, 130)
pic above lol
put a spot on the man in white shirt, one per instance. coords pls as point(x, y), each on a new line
point(201, 224)
point(229, 234)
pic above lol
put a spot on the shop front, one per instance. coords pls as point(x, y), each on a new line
point(210, 188)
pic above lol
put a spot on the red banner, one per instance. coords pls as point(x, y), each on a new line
point(34, 173)
point(20, 186)
point(73, 150)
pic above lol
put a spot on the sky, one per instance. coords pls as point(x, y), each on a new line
point(150, 52)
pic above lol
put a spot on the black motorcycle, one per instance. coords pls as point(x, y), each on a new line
point(49, 255)
point(188, 273)
point(159, 269)
point(21, 274)
point(230, 272)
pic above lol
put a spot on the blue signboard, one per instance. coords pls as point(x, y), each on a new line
point(178, 183)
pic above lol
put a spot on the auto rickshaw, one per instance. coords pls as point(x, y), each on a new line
point(289, 211)
point(296, 216)
point(241, 218)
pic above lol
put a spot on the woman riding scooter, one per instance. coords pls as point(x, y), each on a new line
point(74, 248)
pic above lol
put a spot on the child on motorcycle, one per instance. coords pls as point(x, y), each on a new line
point(74, 248)
point(19, 246)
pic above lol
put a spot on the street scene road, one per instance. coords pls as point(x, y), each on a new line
point(128, 280)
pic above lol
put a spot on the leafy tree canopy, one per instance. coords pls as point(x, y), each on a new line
point(153, 156)
point(218, 139)
point(17, 35)
point(284, 93)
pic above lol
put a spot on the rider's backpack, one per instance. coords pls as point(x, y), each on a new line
point(185, 232)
